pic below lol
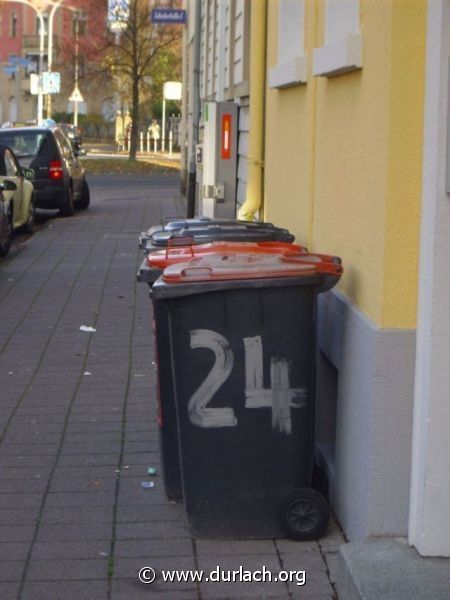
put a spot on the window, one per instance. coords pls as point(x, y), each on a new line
point(13, 109)
point(291, 64)
point(38, 24)
point(81, 65)
point(241, 47)
point(82, 26)
point(64, 145)
point(342, 51)
point(33, 64)
point(108, 109)
point(82, 108)
point(13, 25)
point(22, 143)
point(10, 165)
point(79, 19)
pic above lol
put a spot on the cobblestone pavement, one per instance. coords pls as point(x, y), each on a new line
point(78, 430)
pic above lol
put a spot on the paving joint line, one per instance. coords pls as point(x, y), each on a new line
point(55, 464)
point(197, 567)
point(280, 560)
point(16, 281)
point(38, 257)
point(47, 343)
point(123, 432)
point(333, 585)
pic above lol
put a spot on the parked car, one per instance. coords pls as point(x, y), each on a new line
point(73, 133)
point(5, 224)
point(59, 180)
point(17, 198)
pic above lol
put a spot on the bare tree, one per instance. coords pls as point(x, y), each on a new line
point(136, 53)
point(135, 58)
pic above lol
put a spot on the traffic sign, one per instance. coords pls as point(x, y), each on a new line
point(35, 84)
point(76, 95)
point(166, 16)
point(51, 82)
point(118, 14)
point(19, 61)
point(10, 69)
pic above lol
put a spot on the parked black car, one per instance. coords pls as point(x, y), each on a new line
point(59, 176)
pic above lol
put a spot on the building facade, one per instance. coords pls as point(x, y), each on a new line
point(20, 37)
point(342, 137)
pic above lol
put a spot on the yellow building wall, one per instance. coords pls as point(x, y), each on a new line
point(344, 157)
point(289, 136)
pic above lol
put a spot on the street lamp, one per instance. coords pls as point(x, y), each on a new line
point(55, 6)
point(40, 13)
point(77, 16)
point(76, 91)
point(41, 53)
point(171, 91)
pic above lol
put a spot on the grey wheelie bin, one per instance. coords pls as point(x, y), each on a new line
point(150, 271)
point(235, 338)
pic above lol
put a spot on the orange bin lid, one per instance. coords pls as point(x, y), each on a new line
point(220, 267)
point(159, 259)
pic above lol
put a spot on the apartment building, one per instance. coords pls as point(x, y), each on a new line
point(342, 124)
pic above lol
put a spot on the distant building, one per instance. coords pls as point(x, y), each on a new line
point(19, 37)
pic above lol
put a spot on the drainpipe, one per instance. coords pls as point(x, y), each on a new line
point(183, 123)
point(255, 162)
point(194, 97)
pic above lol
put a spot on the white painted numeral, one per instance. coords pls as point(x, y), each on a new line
point(281, 398)
point(199, 414)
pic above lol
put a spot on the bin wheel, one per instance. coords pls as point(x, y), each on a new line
point(304, 515)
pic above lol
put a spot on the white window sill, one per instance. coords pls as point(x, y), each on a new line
point(288, 74)
point(339, 57)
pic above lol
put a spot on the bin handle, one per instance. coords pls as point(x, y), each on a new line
point(186, 241)
point(165, 220)
point(316, 262)
point(176, 243)
point(194, 271)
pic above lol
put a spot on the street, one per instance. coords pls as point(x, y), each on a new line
point(77, 423)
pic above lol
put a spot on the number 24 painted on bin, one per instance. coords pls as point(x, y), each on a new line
point(280, 397)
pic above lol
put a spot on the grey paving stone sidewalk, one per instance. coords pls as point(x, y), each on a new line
point(78, 429)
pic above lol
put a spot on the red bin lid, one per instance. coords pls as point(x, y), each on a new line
point(220, 267)
point(159, 259)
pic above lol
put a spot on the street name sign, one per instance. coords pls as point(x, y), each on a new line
point(10, 69)
point(19, 61)
point(166, 16)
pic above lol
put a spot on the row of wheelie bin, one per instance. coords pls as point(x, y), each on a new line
point(234, 307)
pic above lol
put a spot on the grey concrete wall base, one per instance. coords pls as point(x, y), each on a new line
point(389, 569)
point(375, 392)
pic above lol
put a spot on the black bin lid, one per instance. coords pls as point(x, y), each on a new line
point(205, 230)
point(237, 231)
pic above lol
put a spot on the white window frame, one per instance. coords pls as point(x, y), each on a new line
point(291, 68)
point(342, 51)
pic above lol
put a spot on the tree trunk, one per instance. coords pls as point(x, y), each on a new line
point(135, 119)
